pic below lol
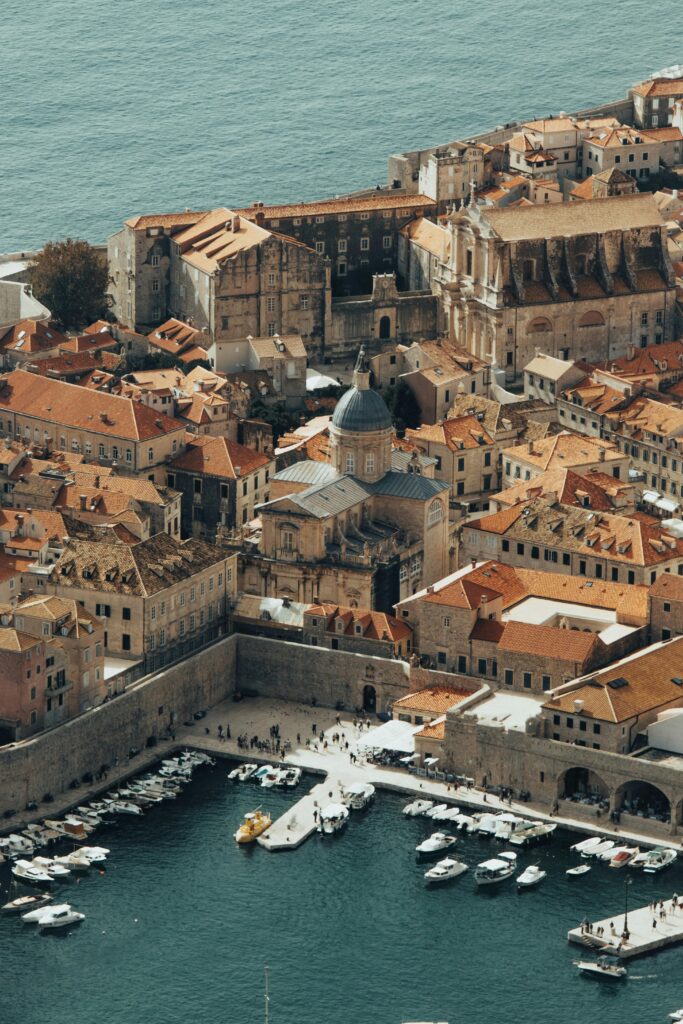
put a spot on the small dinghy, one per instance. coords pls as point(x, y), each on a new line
point(580, 869)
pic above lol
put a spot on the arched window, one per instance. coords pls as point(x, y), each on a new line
point(434, 513)
point(385, 327)
point(592, 319)
point(370, 462)
point(540, 325)
point(350, 463)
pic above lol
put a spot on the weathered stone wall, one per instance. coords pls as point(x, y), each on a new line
point(47, 763)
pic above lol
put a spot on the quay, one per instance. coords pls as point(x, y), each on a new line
point(647, 932)
point(299, 822)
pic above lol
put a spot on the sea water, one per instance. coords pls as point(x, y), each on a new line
point(179, 928)
point(115, 109)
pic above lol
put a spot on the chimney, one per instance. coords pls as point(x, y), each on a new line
point(82, 498)
point(474, 563)
point(236, 222)
point(578, 706)
point(530, 447)
point(260, 218)
point(631, 352)
point(601, 456)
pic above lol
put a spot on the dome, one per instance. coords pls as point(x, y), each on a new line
point(361, 409)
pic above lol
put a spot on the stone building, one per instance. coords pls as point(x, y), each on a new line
point(653, 101)
point(356, 630)
point(666, 607)
point(158, 595)
point(23, 674)
point(639, 153)
point(28, 341)
point(68, 418)
point(359, 235)
point(545, 377)
point(565, 539)
point(447, 174)
point(386, 315)
point(573, 279)
point(522, 629)
point(467, 457)
point(221, 483)
point(602, 185)
point(564, 450)
point(363, 536)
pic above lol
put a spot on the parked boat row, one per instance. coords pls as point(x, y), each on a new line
point(267, 775)
point(618, 856)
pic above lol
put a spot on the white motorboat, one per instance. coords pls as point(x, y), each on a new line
point(450, 814)
point(290, 777)
point(587, 844)
point(489, 872)
point(486, 825)
point(533, 833)
point(607, 855)
point(126, 807)
point(434, 845)
point(598, 851)
point(15, 845)
point(624, 856)
point(94, 854)
point(275, 777)
point(25, 903)
point(75, 861)
point(508, 825)
point(66, 828)
point(417, 807)
point(33, 916)
point(359, 796)
point(463, 822)
point(580, 869)
point(52, 866)
point(333, 818)
point(531, 876)
point(76, 819)
point(444, 870)
point(658, 859)
point(242, 772)
point(676, 1015)
point(25, 871)
point(55, 918)
point(261, 772)
point(608, 967)
point(88, 814)
point(434, 812)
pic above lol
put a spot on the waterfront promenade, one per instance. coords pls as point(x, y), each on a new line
point(647, 931)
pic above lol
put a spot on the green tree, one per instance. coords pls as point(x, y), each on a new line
point(664, 178)
point(71, 279)
point(403, 406)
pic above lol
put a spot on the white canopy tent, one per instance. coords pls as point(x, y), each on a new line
point(394, 735)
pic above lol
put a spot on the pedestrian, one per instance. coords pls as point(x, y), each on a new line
point(654, 923)
point(314, 729)
point(338, 719)
point(298, 738)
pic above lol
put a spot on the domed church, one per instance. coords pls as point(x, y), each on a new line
point(365, 529)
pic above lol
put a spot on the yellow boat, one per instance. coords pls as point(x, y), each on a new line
point(255, 824)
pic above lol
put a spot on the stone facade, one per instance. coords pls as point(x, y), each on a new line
point(385, 315)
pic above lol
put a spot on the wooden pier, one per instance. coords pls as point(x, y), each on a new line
point(647, 932)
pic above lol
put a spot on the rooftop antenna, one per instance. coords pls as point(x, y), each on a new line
point(266, 997)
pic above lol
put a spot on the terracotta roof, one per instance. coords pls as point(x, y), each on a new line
point(589, 491)
point(76, 364)
point(429, 236)
point(564, 449)
point(644, 682)
point(61, 403)
point(31, 336)
point(89, 343)
point(433, 731)
point(654, 360)
point(489, 630)
point(13, 640)
point(217, 456)
point(550, 220)
point(548, 641)
point(166, 220)
point(660, 87)
point(375, 625)
point(209, 242)
point(13, 565)
point(51, 525)
point(465, 432)
point(491, 580)
point(434, 699)
point(668, 587)
point(379, 201)
point(599, 398)
point(267, 348)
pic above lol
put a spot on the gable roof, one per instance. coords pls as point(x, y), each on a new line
point(217, 456)
point(218, 236)
point(68, 405)
point(387, 200)
point(374, 625)
point(564, 449)
point(615, 213)
point(31, 336)
point(458, 434)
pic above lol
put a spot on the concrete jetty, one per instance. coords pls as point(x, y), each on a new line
point(647, 932)
point(299, 822)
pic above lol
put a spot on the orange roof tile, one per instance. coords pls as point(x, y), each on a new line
point(31, 336)
point(379, 201)
point(434, 699)
point(217, 456)
point(375, 625)
point(462, 432)
point(548, 642)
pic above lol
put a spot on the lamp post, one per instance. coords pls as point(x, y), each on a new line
point(625, 935)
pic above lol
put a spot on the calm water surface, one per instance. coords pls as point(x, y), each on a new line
point(111, 109)
point(179, 928)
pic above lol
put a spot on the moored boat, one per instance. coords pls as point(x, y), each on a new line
point(417, 807)
point(333, 818)
point(624, 856)
point(658, 859)
point(359, 796)
point(580, 869)
point(492, 871)
point(444, 870)
point(25, 903)
point(433, 845)
point(34, 915)
point(530, 877)
point(290, 777)
point(25, 871)
point(538, 833)
point(598, 851)
point(255, 824)
point(608, 967)
point(60, 918)
point(242, 772)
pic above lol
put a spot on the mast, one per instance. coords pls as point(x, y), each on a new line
point(266, 997)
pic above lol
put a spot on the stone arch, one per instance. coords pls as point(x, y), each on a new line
point(384, 327)
point(540, 325)
point(592, 319)
point(369, 698)
point(582, 785)
point(642, 800)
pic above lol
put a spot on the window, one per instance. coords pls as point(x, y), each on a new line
point(596, 728)
point(566, 559)
point(631, 576)
point(303, 301)
point(155, 285)
point(535, 552)
point(468, 263)
point(125, 614)
point(570, 723)
point(197, 485)
point(271, 329)
point(509, 676)
point(461, 465)
point(125, 641)
point(434, 513)
point(101, 451)
point(508, 358)
point(643, 319)
point(666, 634)
point(520, 549)
point(545, 682)
point(33, 693)
point(481, 666)
point(350, 463)
point(150, 454)
point(370, 462)
point(342, 245)
point(155, 260)
point(225, 323)
point(387, 242)
point(364, 244)
point(487, 458)
point(506, 545)
point(270, 304)
point(582, 567)
point(462, 664)
point(271, 280)
point(341, 269)
point(527, 680)
point(320, 248)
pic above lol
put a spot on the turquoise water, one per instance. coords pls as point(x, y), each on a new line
point(181, 925)
point(111, 109)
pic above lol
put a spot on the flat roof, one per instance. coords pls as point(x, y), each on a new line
point(506, 711)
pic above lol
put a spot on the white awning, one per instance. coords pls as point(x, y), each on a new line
point(651, 496)
point(431, 760)
point(409, 758)
point(394, 735)
point(667, 505)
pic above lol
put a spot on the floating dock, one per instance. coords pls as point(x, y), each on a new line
point(299, 822)
point(647, 932)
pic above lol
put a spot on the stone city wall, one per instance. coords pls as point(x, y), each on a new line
point(47, 763)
